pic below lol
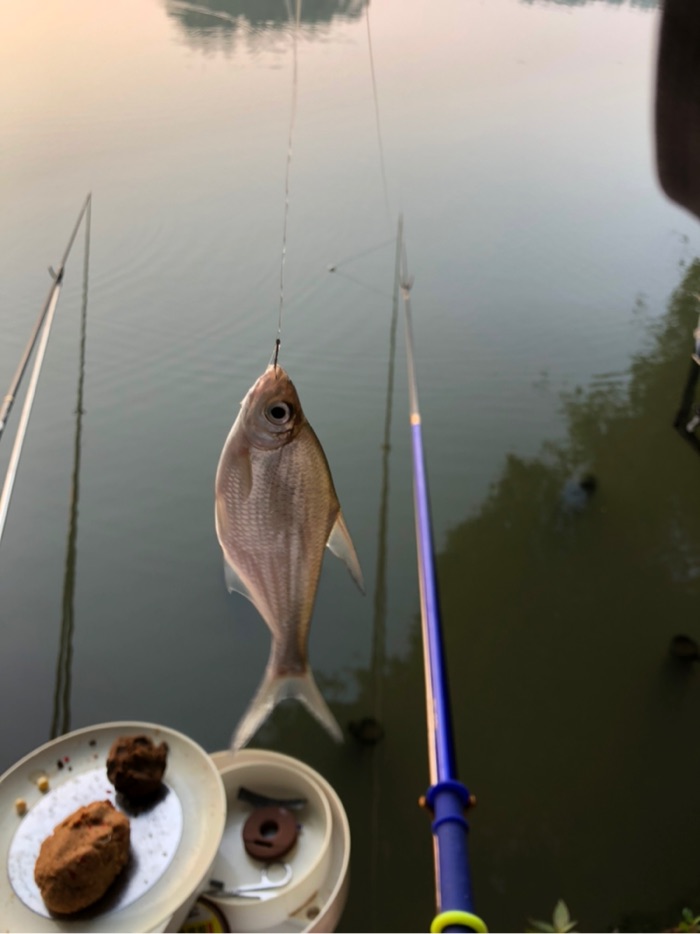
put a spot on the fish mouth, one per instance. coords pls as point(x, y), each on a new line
point(276, 371)
point(272, 378)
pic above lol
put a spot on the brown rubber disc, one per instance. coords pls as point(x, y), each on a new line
point(269, 833)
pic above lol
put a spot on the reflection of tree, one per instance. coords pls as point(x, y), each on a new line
point(613, 428)
point(640, 4)
point(558, 622)
point(211, 24)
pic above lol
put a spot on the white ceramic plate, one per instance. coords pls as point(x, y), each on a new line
point(173, 843)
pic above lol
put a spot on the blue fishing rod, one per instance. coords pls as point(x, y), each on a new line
point(447, 798)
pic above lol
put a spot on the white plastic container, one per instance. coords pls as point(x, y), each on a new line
point(315, 896)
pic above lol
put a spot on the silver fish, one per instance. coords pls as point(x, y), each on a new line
point(276, 510)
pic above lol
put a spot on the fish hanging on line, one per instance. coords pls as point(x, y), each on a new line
point(276, 511)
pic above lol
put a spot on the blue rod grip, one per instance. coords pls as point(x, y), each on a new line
point(448, 802)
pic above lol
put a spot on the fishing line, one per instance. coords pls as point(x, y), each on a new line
point(333, 267)
point(292, 121)
point(368, 288)
point(382, 164)
point(377, 119)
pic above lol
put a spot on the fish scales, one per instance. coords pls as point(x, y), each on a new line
point(275, 533)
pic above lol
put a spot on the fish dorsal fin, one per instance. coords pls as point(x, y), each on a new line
point(341, 545)
point(234, 582)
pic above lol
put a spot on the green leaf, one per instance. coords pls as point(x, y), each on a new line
point(561, 917)
point(688, 922)
point(541, 926)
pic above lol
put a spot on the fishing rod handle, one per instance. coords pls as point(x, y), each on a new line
point(448, 801)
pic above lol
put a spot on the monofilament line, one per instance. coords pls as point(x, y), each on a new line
point(376, 116)
point(292, 121)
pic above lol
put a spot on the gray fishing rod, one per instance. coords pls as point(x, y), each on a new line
point(43, 327)
point(57, 277)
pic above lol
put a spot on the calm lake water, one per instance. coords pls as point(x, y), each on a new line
point(554, 305)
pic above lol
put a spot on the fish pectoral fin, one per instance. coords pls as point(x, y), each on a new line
point(341, 545)
point(234, 582)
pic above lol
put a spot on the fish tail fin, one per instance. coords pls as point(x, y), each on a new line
point(276, 688)
point(305, 689)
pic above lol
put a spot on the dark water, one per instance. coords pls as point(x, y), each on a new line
point(554, 301)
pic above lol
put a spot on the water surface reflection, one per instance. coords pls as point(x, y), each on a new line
point(216, 23)
point(573, 722)
point(639, 4)
point(572, 718)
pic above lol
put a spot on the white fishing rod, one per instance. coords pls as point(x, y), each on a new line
point(46, 320)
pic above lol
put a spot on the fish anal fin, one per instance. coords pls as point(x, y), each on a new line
point(234, 581)
point(341, 545)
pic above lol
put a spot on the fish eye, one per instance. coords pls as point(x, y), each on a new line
point(279, 413)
